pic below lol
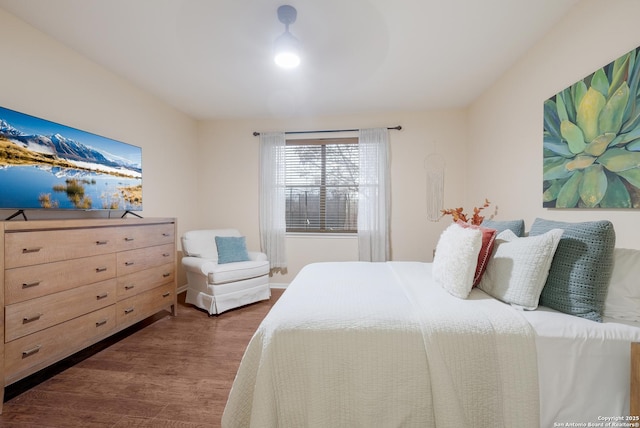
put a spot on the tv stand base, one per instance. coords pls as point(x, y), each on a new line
point(130, 212)
point(16, 214)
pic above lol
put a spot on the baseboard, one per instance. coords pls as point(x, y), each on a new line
point(279, 285)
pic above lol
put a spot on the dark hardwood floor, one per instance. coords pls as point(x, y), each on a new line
point(166, 372)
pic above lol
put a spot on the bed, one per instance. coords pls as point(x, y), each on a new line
point(355, 344)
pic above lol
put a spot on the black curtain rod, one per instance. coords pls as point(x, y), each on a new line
point(397, 128)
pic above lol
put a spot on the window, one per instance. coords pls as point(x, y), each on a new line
point(322, 185)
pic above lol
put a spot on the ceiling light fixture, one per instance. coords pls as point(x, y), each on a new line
point(286, 47)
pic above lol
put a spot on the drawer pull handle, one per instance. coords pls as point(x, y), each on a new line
point(128, 310)
point(102, 242)
point(102, 296)
point(101, 323)
point(31, 250)
point(165, 234)
point(128, 239)
point(129, 287)
point(30, 352)
point(166, 275)
point(165, 254)
point(129, 263)
point(101, 269)
point(167, 294)
point(32, 318)
point(30, 284)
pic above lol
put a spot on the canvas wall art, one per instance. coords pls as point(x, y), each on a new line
point(592, 140)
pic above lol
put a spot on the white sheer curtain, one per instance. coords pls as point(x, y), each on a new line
point(273, 225)
point(374, 198)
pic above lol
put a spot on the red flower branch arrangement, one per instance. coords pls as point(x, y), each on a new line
point(458, 214)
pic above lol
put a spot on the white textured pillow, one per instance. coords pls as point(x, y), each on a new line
point(454, 264)
point(623, 297)
point(519, 267)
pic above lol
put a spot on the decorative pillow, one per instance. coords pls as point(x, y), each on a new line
point(623, 298)
point(581, 268)
point(519, 267)
point(454, 264)
point(488, 238)
point(516, 226)
point(231, 249)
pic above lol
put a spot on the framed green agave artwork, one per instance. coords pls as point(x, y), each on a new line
point(592, 140)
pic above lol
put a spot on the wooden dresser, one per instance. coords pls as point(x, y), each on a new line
point(68, 284)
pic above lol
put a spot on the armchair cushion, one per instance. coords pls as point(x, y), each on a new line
point(231, 249)
point(228, 272)
point(238, 271)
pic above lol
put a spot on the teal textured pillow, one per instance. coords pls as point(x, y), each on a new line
point(516, 226)
point(581, 268)
point(231, 249)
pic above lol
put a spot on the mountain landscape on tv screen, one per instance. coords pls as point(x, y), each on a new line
point(54, 171)
point(57, 146)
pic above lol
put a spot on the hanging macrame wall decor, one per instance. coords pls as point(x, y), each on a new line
point(434, 164)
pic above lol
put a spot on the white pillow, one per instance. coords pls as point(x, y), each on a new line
point(623, 297)
point(454, 264)
point(519, 267)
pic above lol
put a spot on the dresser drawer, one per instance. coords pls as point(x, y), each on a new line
point(144, 258)
point(34, 281)
point(43, 312)
point(140, 306)
point(35, 351)
point(45, 246)
point(132, 237)
point(134, 283)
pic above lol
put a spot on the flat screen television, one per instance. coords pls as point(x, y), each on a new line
point(45, 165)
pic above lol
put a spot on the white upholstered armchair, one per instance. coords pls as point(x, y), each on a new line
point(216, 282)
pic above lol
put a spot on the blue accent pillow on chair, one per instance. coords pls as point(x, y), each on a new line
point(231, 249)
point(581, 269)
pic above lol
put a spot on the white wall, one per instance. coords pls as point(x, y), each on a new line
point(41, 77)
point(505, 124)
point(228, 157)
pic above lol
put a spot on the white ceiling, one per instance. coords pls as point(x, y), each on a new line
point(212, 58)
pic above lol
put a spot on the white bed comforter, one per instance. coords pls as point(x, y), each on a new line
point(379, 345)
